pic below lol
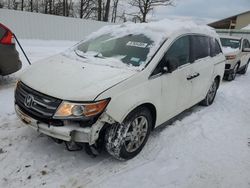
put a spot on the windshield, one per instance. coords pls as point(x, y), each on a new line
point(130, 49)
point(232, 43)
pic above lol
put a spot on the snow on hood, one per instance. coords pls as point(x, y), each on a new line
point(229, 50)
point(156, 31)
point(68, 79)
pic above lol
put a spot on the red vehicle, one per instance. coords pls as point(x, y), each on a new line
point(9, 56)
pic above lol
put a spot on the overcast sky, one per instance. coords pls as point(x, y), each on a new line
point(203, 10)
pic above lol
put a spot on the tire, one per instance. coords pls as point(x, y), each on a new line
point(243, 71)
point(231, 76)
point(211, 94)
point(124, 141)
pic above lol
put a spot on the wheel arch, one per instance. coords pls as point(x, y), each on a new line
point(151, 107)
point(152, 110)
point(218, 79)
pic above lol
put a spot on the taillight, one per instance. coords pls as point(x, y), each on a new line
point(8, 38)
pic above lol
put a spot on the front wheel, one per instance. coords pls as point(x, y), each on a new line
point(232, 75)
point(243, 71)
point(211, 94)
point(124, 141)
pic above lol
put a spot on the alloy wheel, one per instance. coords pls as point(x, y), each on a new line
point(212, 92)
point(136, 134)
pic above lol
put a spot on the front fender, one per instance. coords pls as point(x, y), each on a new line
point(127, 99)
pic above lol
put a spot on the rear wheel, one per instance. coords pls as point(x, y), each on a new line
point(126, 140)
point(211, 93)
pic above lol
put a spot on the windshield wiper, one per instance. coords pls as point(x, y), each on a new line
point(97, 54)
point(79, 54)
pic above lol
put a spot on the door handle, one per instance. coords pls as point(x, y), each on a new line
point(193, 76)
point(196, 75)
point(190, 77)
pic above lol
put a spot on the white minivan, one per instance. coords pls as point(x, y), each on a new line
point(115, 87)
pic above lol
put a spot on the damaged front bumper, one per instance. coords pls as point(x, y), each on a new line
point(69, 132)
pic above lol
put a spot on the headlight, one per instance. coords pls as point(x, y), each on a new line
point(78, 110)
point(230, 57)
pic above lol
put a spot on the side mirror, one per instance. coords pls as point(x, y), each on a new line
point(246, 50)
point(170, 64)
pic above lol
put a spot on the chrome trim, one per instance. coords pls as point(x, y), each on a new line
point(44, 105)
point(40, 111)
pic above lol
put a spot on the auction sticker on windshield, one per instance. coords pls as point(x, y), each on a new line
point(234, 41)
point(137, 44)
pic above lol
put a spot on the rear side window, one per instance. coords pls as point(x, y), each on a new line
point(200, 47)
point(180, 50)
point(215, 48)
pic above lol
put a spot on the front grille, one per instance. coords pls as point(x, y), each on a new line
point(227, 66)
point(39, 106)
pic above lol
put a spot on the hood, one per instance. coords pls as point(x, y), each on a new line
point(230, 51)
point(68, 79)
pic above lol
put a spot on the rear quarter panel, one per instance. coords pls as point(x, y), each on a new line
point(219, 67)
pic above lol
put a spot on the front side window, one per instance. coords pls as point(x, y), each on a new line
point(232, 43)
point(180, 51)
point(200, 47)
point(131, 49)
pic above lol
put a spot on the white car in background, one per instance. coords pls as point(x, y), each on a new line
point(237, 52)
point(120, 83)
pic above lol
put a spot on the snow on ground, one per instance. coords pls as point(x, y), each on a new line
point(247, 27)
point(205, 147)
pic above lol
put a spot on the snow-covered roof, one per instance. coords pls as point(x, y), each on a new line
point(155, 30)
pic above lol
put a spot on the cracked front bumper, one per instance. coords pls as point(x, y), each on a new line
point(70, 132)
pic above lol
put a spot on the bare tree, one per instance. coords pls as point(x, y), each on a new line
point(87, 7)
point(103, 9)
point(99, 9)
point(114, 11)
point(31, 5)
point(145, 6)
point(64, 7)
point(15, 4)
point(22, 5)
point(50, 6)
point(106, 13)
point(36, 5)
